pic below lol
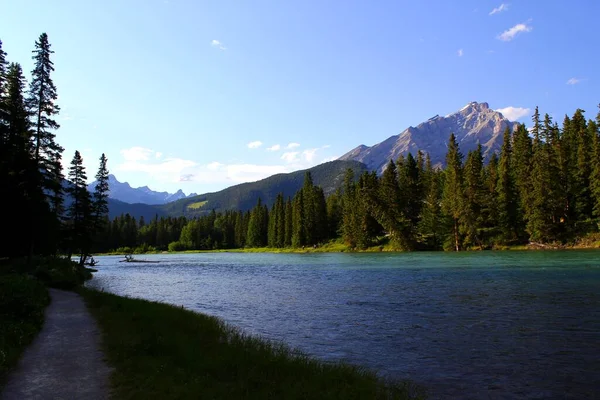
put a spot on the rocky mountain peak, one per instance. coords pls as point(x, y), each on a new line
point(473, 124)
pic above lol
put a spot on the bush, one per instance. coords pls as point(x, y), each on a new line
point(22, 303)
point(61, 273)
point(177, 246)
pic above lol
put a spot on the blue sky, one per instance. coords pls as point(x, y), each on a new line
point(201, 95)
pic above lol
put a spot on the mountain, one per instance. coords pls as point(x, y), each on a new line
point(122, 191)
point(329, 176)
point(474, 123)
point(137, 210)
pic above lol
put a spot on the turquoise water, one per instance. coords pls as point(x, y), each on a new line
point(514, 325)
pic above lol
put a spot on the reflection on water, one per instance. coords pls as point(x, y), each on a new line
point(479, 325)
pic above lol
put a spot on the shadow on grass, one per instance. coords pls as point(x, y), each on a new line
point(161, 351)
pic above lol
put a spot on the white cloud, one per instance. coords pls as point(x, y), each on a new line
point(573, 81)
point(514, 113)
point(137, 153)
point(275, 147)
point(293, 145)
point(213, 166)
point(158, 154)
point(499, 9)
point(218, 45)
point(510, 34)
point(309, 154)
point(290, 156)
point(460, 52)
point(254, 145)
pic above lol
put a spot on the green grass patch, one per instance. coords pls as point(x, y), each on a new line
point(22, 303)
point(197, 205)
point(165, 352)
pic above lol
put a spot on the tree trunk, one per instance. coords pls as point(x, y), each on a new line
point(456, 234)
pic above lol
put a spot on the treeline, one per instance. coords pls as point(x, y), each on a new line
point(45, 213)
point(543, 186)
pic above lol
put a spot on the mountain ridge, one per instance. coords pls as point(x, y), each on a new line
point(124, 192)
point(473, 124)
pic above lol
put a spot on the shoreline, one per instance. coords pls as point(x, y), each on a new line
point(375, 249)
point(158, 350)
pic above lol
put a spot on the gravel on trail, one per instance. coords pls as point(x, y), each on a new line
point(65, 360)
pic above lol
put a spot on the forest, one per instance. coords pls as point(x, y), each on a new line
point(46, 213)
point(543, 187)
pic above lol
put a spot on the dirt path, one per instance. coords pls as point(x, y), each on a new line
point(65, 360)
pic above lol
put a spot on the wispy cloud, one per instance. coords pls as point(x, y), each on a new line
point(218, 45)
point(310, 154)
point(514, 113)
point(293, 145)
point(254, 145)
point(502, 7)
point(460, 52)
point(511, 33)
point(574, 81)
point(137, 153)
point(291, 156)
point(275, 147)
point(158, 154)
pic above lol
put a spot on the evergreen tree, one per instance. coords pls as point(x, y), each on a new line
point(595, 178)
point(389, 209)
point(474, 197)
point(431, 212)
point(256, 227)
point(288, 224)
point(452, 196)
point(100, 196)
point(521, 167)
point(506, 193)
point(80, 210)
point(42, 103)
point(298, 220)
point(540, 222)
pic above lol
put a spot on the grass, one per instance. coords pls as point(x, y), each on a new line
point(22, 303)
point(166, 352)
point(197, 205)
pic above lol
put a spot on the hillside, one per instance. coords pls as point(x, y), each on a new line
point(474, 124)
point(117, 207)
point(244, 196)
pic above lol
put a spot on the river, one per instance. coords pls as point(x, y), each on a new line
point(514, 325)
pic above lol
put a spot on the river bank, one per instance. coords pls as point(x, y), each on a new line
point(162, 351)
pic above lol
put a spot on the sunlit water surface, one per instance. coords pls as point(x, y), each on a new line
point(514, 325)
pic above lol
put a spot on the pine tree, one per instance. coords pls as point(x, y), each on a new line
point(452, 196)
point(80, 210)
point(20, 179)
point(41, 102)
point(521, 167)
point(506, 193)
point(474, 197)
point(288, 224)
point(431, 212)
point(595, 177)
point(389, 208)
point(3, 115)
point(298, 220)
point(490, 206)
point(100, 196)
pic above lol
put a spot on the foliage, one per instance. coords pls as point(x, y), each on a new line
point(163, 351)
point(22, 303)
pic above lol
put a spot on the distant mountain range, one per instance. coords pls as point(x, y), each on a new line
point(475, 123)
point(122, 191)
